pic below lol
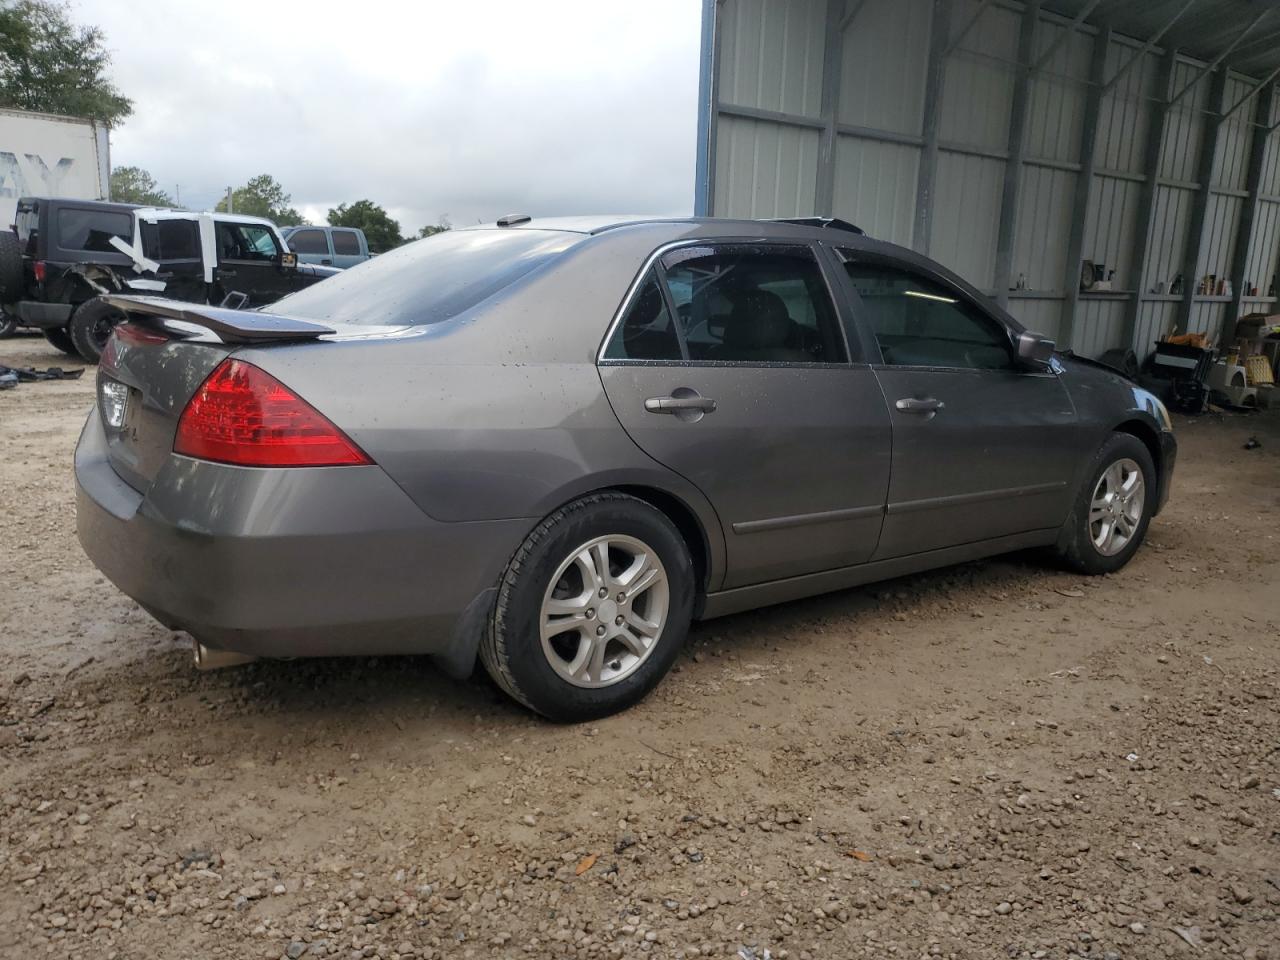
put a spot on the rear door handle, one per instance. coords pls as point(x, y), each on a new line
point(914, 405)
point(675, 405)
point(224, 272)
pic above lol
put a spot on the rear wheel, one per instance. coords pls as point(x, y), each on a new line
point(1109, 520)
point(91, 327)
point(58, 337)
point(592, 610)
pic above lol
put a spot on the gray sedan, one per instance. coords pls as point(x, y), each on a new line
point(550, 445)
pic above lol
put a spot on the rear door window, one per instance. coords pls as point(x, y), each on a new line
point(647, 331)
point(345, 243)
point(753, 303)
point(308, 241)
point(171, 240)
point(92, 230)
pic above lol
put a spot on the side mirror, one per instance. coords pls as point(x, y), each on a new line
point(1034, 349)
point(289, 260)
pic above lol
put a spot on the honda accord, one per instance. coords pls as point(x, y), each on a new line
point(551, 445)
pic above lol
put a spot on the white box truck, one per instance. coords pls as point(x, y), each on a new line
point(42, 155)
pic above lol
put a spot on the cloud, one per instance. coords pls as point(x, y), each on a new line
point(465, 109)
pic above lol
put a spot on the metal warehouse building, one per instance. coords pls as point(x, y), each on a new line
point(1015, 141)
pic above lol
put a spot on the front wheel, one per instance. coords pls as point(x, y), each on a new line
point(91, 325)
point(1112, 510)
point(592, 610)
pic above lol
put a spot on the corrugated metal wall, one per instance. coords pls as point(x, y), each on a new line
point(769, 161)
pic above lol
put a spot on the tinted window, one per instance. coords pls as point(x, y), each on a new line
point(244, 241)
point(757, 304)
point(346, 243)
point(920, 323)
point(171, 240)
point(646, 331)
point(430, 280)
point(308, 241)
point(93, 229)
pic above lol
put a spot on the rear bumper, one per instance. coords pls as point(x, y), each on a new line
point(290, 563)
point(46, 316)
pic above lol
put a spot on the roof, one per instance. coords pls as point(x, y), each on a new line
point(587, 224)
point(1204, 29)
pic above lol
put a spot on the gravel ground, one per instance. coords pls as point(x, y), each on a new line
point(993, 760)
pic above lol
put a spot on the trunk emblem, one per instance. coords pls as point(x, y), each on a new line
point(115, 398)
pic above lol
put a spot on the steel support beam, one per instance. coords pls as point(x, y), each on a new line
point(851, 14)
point(1148, 46)
point(940, 30)
point(1249, 212)
point(1147, 195)
point(704, 175)
point(969, 24)
point(829, 107)
point(1213, 65)
point(1253, 92)
point(1084, 184)
point(1011, 193)
point(1200, 205)
point(1066, 35)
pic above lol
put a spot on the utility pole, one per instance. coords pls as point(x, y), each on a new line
point(230, 201)
point(177, 194)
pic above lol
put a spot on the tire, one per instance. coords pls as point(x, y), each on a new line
point(539, 670)
point(11, 275)
point(8, 325)
point(91, 325)
point(58, 337)
point(1101, 541)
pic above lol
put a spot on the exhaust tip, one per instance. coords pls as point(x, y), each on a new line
point(211, 658)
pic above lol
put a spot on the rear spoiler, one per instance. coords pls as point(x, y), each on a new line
point(231, 326)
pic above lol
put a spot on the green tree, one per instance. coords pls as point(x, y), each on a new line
point(263, 197)
point(382, 232)
point(135, 185)
point(50, 64)
point(431, 229)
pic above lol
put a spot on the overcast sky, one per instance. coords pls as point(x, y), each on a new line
point(462, 108)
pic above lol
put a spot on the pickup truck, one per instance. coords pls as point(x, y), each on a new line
point(339, 247)
point(63, 255)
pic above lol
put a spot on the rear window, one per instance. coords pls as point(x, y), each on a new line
point(92, 230)
point(430, 280)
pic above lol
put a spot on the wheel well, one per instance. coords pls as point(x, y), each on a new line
point(686, 521)
point(1147, 435)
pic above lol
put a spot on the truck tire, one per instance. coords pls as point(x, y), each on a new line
point(58, 337)
point(11, 285)
point(91, 327)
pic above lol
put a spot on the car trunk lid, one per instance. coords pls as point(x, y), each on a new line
point(156, 362)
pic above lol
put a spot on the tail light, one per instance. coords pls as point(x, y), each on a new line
point(244, 416)
point(39, 269)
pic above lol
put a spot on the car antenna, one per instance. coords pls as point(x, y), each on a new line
point(514, 219)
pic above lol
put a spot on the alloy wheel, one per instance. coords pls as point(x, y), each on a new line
point(1115, 512)
point(604, 611)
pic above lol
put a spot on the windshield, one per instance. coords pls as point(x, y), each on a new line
point(428, 281)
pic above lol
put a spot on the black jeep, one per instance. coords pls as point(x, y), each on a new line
point(62, 255)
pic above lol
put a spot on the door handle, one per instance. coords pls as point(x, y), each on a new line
point(224, 272)
point(676, 405)
point(326, 263)
point(914, 405)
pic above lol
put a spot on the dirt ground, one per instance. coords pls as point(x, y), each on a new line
point(993, 760)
